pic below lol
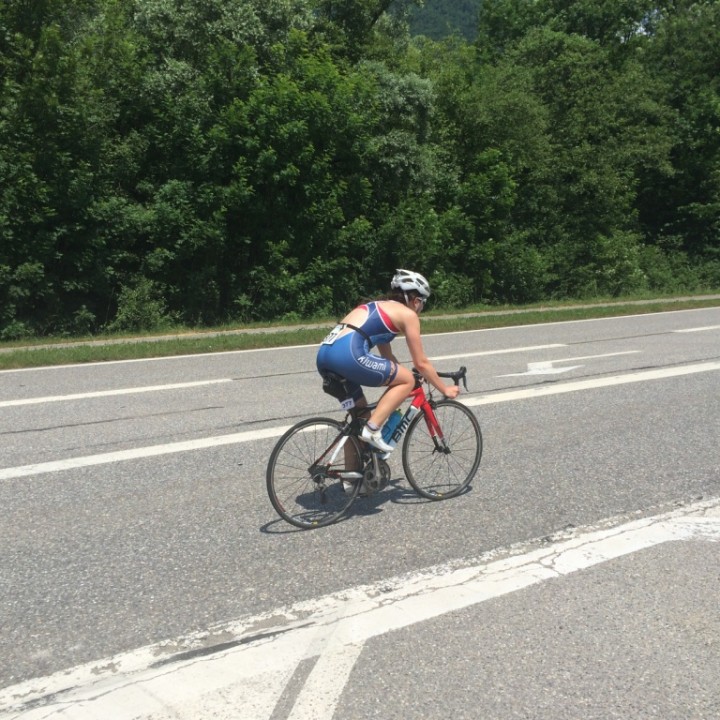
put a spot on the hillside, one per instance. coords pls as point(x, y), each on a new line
point(439, 18)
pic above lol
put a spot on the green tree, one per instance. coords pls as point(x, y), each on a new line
point(297, 180)
point(265, 158)
point(51, 134)
point(501, 25)
point(680, 207)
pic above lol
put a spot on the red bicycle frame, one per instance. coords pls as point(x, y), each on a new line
point(421, 403)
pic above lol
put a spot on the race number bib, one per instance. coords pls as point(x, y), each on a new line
point(333, 335)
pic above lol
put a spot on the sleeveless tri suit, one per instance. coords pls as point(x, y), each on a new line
point(349, 354)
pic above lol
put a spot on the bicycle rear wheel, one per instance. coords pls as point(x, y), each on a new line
point(304, 473)
point(439, 470)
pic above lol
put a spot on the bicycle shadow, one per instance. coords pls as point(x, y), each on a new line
point(396, 492)
point(372, 504)
point(363, 505)
point(410, 497)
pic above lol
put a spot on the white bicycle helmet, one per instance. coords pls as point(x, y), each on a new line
point(409, 280)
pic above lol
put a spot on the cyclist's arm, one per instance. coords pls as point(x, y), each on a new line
point(420, 359)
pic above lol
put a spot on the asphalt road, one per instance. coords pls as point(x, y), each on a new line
point(138, 545)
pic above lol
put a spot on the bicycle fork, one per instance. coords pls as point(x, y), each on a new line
point(435, 432)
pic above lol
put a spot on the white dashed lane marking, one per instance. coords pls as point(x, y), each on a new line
point(252, 435)
point(109, 393)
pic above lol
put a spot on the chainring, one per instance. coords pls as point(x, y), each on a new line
point(372, 484)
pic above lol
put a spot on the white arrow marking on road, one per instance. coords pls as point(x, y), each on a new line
point(543, 368)
point(547, 367)
point(251, 674)
point(594, 357)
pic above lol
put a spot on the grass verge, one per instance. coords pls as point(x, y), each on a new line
point(127, 348)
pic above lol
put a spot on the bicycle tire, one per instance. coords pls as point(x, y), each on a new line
point(302, 492)
point(439, 475)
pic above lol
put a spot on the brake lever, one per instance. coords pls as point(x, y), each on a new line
point(462, 375)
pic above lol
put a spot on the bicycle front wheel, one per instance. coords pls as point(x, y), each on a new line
point(442, 467)
point(310, 473)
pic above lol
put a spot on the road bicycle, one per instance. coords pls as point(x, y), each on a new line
point(320, 466)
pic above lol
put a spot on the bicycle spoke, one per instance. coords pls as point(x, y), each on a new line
point(303, 487)
point(439, 473)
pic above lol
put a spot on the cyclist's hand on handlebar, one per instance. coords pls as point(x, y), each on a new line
point(452, 391)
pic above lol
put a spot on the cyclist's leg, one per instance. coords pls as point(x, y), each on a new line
point(361, 407)
point(353, 461)
point(344, 389)
point(398, 389)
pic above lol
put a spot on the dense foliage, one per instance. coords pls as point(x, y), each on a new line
point(212, 160)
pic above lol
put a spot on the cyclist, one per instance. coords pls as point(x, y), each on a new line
point(346, 351)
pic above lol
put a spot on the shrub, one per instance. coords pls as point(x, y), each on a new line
point(140, 307)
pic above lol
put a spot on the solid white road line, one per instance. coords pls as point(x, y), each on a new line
point(576, 385)
point(248, 436)
point(110, 393)
point(163, 358)
point(312, 345)
point(249, 675)
point(322, 690)
point(504, 351)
